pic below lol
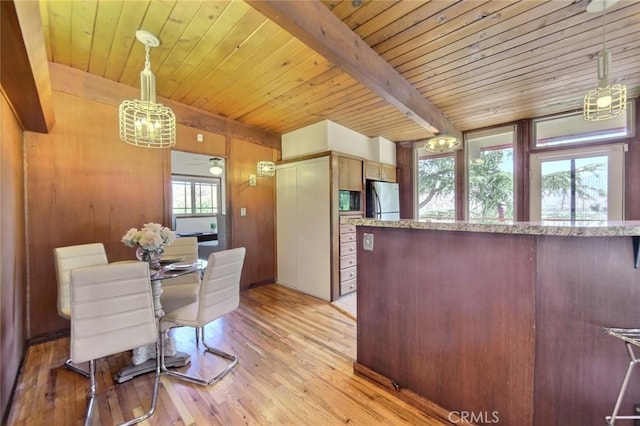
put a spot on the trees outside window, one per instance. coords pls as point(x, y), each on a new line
point(436, 187)
point(491, 185)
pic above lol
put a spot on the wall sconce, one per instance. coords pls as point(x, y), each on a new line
point(266, 168)
point(217, 165)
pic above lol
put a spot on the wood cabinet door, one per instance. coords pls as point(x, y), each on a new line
point(350, 174)
point(388, 172)
point(380, 171)
point(372, 170)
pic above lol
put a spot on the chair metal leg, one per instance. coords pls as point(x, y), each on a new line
point(71, 366)
point(156, 386)
point(92, 392)
point(611, 420)
point(233, 361)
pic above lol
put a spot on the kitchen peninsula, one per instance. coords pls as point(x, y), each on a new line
point(500, 320)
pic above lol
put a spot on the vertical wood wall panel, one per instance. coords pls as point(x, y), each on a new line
point(12, 251)
point(256, 230)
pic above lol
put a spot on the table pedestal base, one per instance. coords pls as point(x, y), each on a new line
point(180, 359)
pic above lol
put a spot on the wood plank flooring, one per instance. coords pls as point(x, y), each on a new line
point(296, 368)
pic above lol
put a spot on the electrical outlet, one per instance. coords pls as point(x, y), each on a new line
point(252, 180)
point(367, 242)
point(243, 211)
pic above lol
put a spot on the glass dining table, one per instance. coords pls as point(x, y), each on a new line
point(143, 358)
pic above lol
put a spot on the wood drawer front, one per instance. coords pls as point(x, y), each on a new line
point(348, 274)
point(345, 229)
point(348, 287)
point(348, 261)
point(347, 238)
point(347, 248)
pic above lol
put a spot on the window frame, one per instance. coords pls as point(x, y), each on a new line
point(583, 140)
point(193, 180)
point(484, 133)
point(616, 174)
point(419, 153)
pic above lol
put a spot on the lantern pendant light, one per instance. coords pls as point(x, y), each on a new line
point(607, 100)
point(144, 122)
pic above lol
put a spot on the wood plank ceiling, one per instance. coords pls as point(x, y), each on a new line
point(480, 63)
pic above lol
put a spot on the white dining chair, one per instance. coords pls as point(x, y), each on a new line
point(111, 312)
point(182, 290)
point(66, 259)
point(219, 294)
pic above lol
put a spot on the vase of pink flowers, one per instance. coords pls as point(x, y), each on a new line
point(149, 242)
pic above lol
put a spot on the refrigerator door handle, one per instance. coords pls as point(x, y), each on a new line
point(378, 204)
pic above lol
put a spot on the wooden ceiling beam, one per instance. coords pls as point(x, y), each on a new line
point(24, 70)
point(314, 24)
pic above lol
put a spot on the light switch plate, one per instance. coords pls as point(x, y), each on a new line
point(252, 180)
point(367, 242)
point(243, 211)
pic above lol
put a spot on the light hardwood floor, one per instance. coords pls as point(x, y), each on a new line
point(296, 368)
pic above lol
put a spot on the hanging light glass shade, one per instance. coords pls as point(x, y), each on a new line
point(144, 122)
point(442, 143)
point(216, 166)
point(607, 100)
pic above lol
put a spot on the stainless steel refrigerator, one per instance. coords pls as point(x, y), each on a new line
point(383, 200)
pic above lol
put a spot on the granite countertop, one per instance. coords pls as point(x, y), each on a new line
point(567, 229)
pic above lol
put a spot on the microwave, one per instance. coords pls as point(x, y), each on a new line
point(349, 200)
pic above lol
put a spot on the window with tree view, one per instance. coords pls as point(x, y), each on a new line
point(436, 187)
point(195, 196)
point(490, 175)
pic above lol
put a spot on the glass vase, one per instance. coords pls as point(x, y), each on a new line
point(152, 257)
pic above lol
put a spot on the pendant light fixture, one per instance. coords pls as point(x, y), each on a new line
point(442, 143)
point(144, 122)
point(607, 100)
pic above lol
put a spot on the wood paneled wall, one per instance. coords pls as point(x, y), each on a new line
point(12, 251)
point(85, 185)
point(256, 230)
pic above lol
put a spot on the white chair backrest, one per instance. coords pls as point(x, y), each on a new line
point(220, 288)
point(70, 257)
point(111, 310)
point(186, 247)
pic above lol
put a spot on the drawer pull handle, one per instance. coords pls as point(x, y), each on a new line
point(351, 261)
point(351, 249)
point(351, 274)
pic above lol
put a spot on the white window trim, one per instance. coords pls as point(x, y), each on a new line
point(615, 198)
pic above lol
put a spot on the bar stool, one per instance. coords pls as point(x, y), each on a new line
point(631, 338)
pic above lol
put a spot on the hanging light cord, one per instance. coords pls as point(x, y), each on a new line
point(604, 25)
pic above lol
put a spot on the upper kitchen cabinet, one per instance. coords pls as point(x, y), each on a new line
point(349, 173)
point(380, 171)
point(381, 160)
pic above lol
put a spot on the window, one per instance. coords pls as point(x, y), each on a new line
point(194, 196)
point(572, 129)
point(436, 186)
point(578, 185)
point(490, 174)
